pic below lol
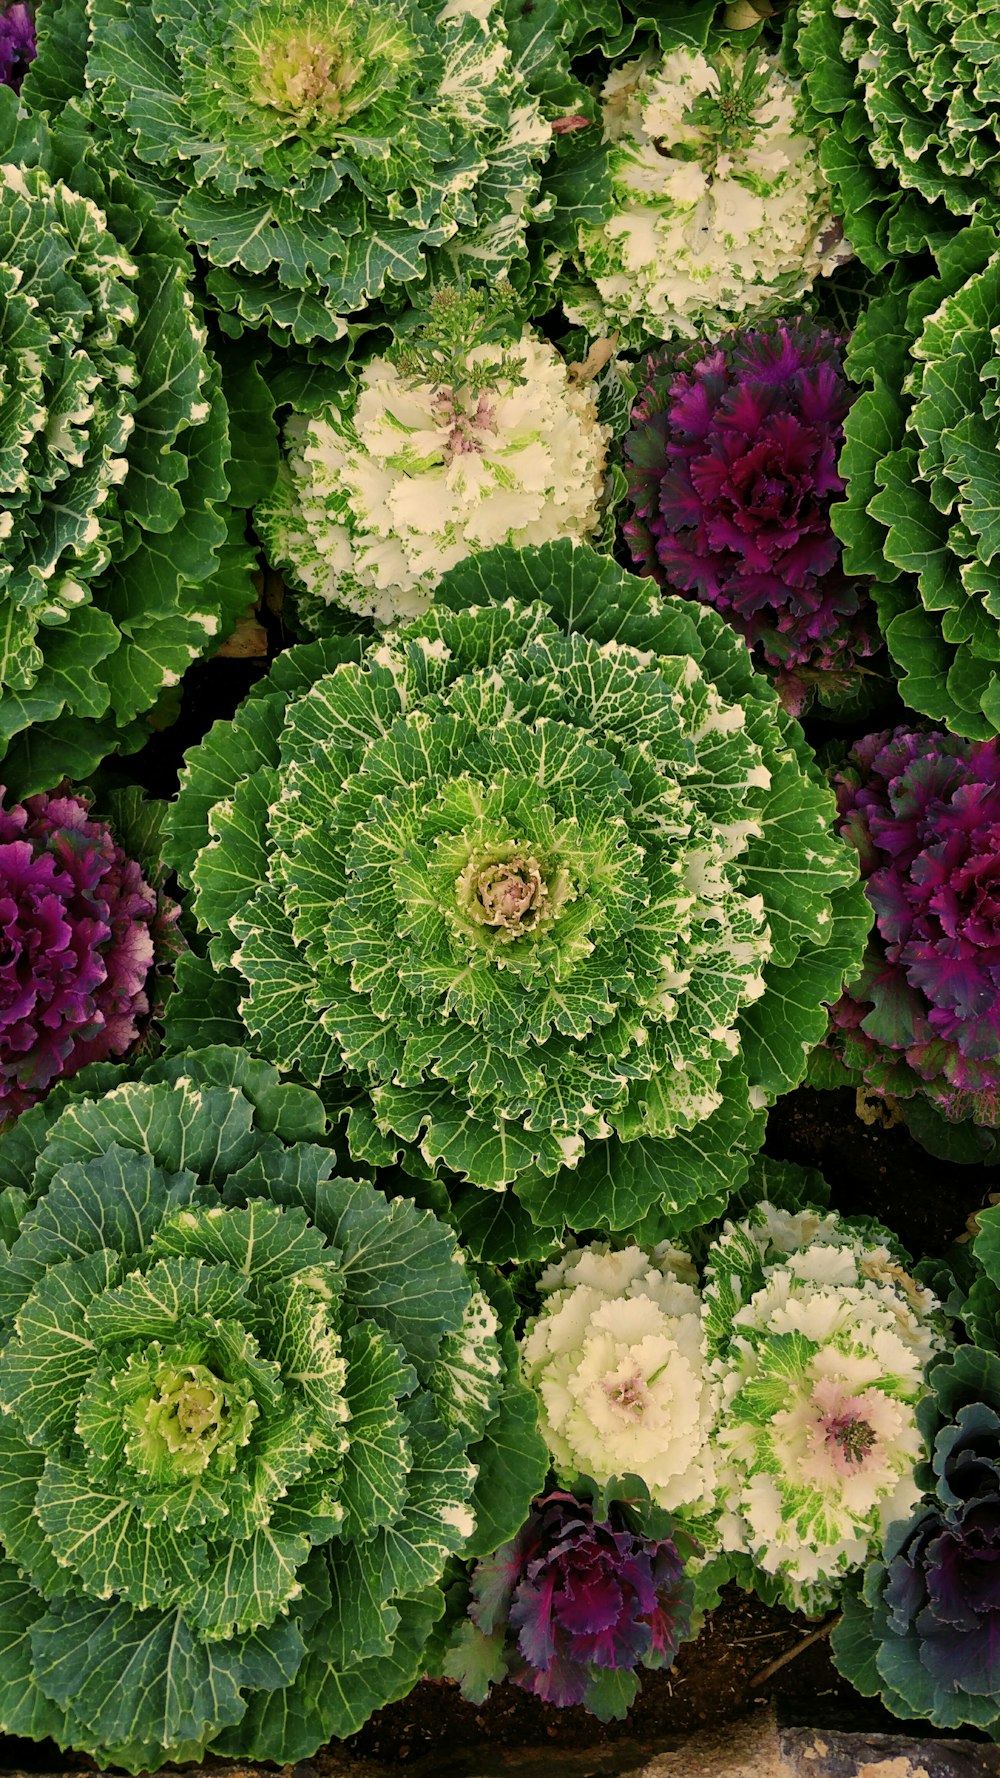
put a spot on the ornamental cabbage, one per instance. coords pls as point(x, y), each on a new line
point(820, 1340)
point(120, 561)
point(922, 509)
point(245, 1404)
point(571, 1607)
point(17, 44)
point(923, 1631)
point(617, 1357)
point(904, 99)
point(732, 470)
point(543, 886)
point(315, 155)
point(83, 936)
point(719, 209)
point(923, 810)
point(454, 442)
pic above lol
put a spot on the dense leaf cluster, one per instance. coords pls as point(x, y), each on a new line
point(732, 471)
point(920, 462)
point(923, 810)
point(315, 155)
point(246, 1403)
point(517, 885)
point(121, 561)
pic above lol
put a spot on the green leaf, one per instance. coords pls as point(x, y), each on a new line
point(377, 1460)
point(513, 1461)
point(129, 1676)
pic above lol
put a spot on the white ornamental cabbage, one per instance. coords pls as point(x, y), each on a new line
point(720, 209)
point(409, 474)
point(820, 1341)
point(618, 1358)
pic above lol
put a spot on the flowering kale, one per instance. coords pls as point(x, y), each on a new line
point(586, 1602)
point(121, 560)
point(732, 468)
point(17, 44)
point(920, 463)
point(923, 811)
point(924, 1629)
point(82, 932)
point(528, 887)
point(820, 1340)
point(249, 1411)
point(718, 207)
point(459, 439)
point(617, 1358)
point(904, 98)
point(316, 154)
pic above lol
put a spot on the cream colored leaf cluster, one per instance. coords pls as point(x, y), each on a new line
point(383, 493)
point(705, 229)
point(618, 1358)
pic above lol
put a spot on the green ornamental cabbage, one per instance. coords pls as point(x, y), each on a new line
point(314, 153)
point(245, 1407)
point(543, 888)
point(922, 508)
point(120, 559)
point(905, 96)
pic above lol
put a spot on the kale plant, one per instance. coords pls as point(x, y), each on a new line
point(542, 889)
point(905, 98)
point(317, 155)
point(246, 1403)
point(923, 1017)
point(923, 1628)
point(923, 480)
point(571, 1608)
point(120, 559)
point(86, 929)
point(732, 472)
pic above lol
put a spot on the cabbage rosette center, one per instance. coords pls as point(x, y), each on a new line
point(505, 881)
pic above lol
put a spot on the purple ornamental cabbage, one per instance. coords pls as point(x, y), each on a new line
point(17, 44)
point(81, 932)
point(732, 470)
point(928, 1620)
point(581, 1599)
point(923, 810)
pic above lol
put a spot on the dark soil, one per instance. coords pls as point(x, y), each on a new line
point(873, 1171)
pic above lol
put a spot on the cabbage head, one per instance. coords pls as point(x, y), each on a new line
point(245, 1406)
point(904, 97)
point(120, 559)
point(921, 514)
point(921, 1629)
point(543, 888)
point(315, 154)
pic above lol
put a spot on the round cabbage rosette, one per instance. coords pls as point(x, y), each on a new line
point(571, 1607)
point(120, 561)
point(719, 209)
point(906, 102)
point(517, 884)
point(246, 1403)
point(920, 462)
point(84, 934)
point(732, 470)
point(617, 1357)
point(383, 493)
point(923, 1017)
point(315, 155)
point(820, 1340)
point(922, 1629)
